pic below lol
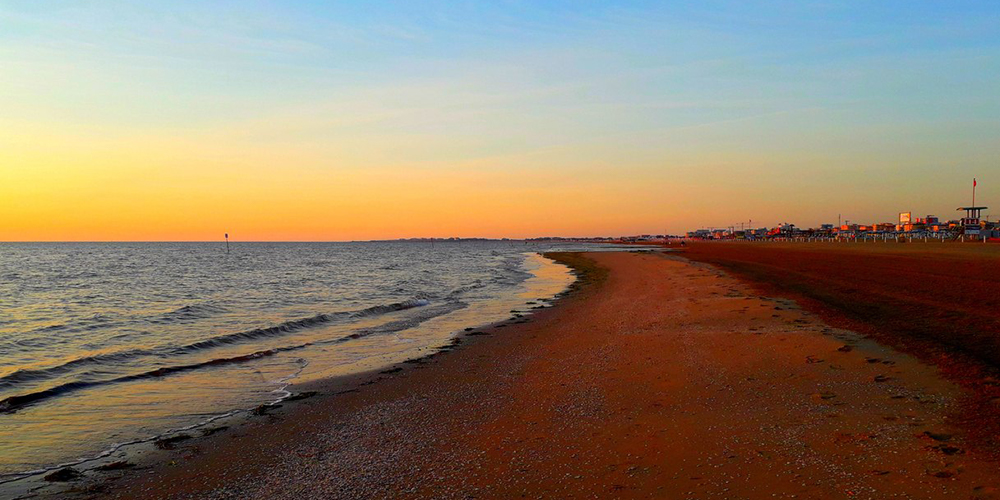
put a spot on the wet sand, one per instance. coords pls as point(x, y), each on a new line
point(656, 377)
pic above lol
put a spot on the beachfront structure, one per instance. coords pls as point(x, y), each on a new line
point(972, 224)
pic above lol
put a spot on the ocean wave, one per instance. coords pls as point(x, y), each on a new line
point(295, 325)
point(34, 375)
point(190, 312)
point(257, 333)
point(98, 321)
point(285, 381)
point(474, 285)
point(403, 324)
point(88, 323)
point(398, 306)
point(14, 403)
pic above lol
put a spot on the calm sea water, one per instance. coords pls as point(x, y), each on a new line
point(109, 343)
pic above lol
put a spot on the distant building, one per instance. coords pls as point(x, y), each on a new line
point(971, 223)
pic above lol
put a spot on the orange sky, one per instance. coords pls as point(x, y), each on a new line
point(125, 121)
point(199, 187)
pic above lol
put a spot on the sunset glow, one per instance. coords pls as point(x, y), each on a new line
point(125, 121)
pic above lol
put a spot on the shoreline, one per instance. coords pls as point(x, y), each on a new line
point(450, 425)
point(159, 464)
point(153, 451)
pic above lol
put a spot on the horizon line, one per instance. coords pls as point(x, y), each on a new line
point(450, 238)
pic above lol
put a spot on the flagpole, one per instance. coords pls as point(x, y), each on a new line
point(973, 191)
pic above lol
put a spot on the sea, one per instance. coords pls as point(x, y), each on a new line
point(107, 345)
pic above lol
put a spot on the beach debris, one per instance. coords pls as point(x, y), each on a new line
point(845, 348)
point(882, 378)
point(810, 359)
point(946, 449)
point(264, 409)
point(301, 395)
point(825, 396)
point(119, 465)
point(213, 430)
point(63, 475)
point(168, 443)
point(853, 438)
point(938, 436)
point(940, 472)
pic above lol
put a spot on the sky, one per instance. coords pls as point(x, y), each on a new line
point(336, 120)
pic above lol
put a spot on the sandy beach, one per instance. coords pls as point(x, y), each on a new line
point(656, 377)
point(935, 301)
point(470, 249)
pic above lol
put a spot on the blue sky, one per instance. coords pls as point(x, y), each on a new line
point(783, 110)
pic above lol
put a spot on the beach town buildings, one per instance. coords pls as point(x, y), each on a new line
point(971, 227)
point(929, 227)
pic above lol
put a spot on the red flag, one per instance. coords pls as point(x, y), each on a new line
point(973, 182)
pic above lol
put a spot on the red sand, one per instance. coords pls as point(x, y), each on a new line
point(938, 301)
point(661, 379)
